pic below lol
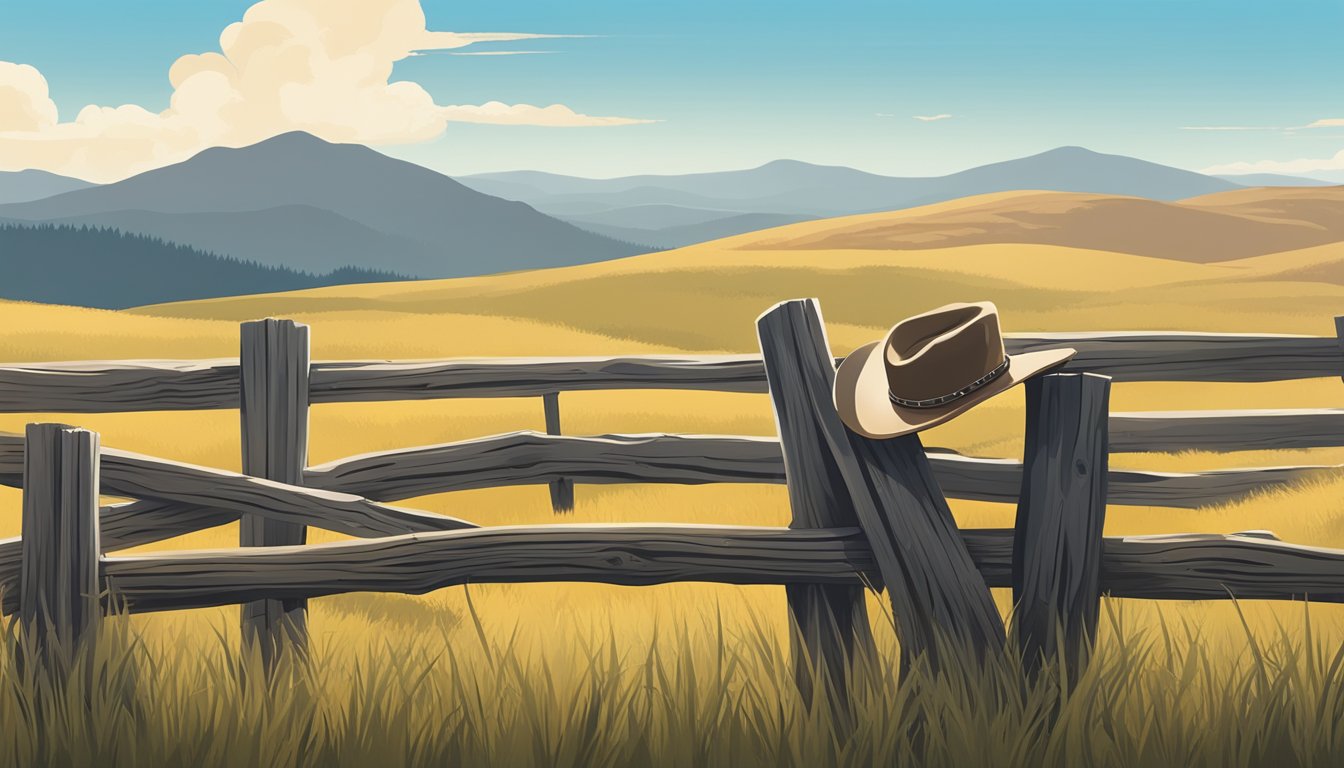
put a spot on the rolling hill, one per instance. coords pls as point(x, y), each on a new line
point(800, 190)
point(1219, 227)
point(359, 207)
point(872, 268)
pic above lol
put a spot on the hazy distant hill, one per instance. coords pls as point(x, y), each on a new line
point(1274, 180)
point(802, 190)
point(23, 186)
point(698, 232)
point(98, 267)
point(296, 236)
point(398, 216)
point(1219, 227)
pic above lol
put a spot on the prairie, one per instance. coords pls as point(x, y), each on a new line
point(563, 673)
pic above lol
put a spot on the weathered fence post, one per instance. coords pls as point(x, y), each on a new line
point(562, 489)
point(59, 600)
point(1339, 336)
point(274, 384)
point(937, 594)
point(831, 621)
point(1060, 514)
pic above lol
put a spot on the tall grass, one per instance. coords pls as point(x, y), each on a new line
point(1153, 696)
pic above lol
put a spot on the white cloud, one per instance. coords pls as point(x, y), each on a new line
point(322, 66)
point(1301, 165)
point(1333, 122)
point(497, 53)
point(556, 115)
point(24, 103)
point(930, 118)
point(1231, 128)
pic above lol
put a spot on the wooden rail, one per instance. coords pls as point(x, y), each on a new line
point(526, 458)
point(153, 385)
point(332, 496)
point(1245, 430)
point(1174, 567)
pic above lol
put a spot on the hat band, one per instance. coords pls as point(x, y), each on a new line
point(934, 402)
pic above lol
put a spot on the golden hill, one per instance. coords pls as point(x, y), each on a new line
point(1219, 227)
point(706, 297)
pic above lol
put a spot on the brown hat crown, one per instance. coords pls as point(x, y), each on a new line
point(933, 358)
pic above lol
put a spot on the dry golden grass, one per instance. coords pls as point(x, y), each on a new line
point(702, 299)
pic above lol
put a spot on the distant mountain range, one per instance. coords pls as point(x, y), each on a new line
point(679, 210)
point(95, 267)
point(311, 207)
point(23, 186)
point(297, 201)
point(1275, 180)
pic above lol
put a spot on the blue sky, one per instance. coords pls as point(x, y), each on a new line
point(738, 84)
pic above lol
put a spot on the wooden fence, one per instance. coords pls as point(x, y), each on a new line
point(866, 513)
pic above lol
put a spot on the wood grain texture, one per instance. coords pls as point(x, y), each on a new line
point(930, 580)
point(633, 555)
point(1216, 567)
point(1175, 567)
point(144, 477)
point(1246, 430)
point(120, 526)
point(1060, 517)
point(59, 584)
point(562, 488)
point(528, 458)
point(273, 382)
point(1154, 356)
point(106, 386)
point(524, 458)
point(146, 385)
point(1339, 339)
point(133, 523)
point(366, 380)
point(831, 620)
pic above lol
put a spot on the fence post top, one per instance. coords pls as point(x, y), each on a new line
point(51, 426)
point(815, 304)
point(1081, 375)
point(281, 321)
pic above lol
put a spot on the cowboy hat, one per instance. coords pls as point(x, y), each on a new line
point(930, 368)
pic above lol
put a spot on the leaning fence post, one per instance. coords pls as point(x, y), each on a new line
point(59, 600)
point(562, 488)
point(936, 592)
point(1060, 514)
point(831, 620)
point(273, 374)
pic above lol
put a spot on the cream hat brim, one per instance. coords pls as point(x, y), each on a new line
point(864, 403)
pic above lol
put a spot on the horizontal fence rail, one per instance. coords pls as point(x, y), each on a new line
point(182, 498)
point(1205, 357)
point(132, 474)
point(152, 385)
point(336, 496)
point(1245, 430)
point(1178, 567)
point(529, 458)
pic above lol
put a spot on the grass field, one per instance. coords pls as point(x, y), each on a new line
point(694, 674)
